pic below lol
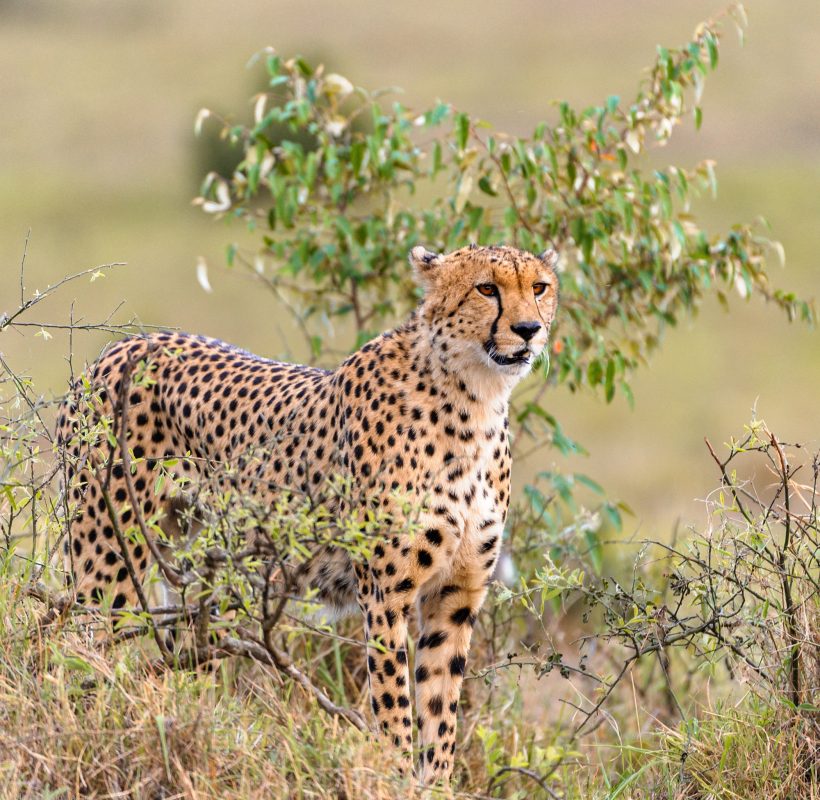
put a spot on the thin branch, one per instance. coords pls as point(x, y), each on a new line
point(173, 575)
point(531, 774)
point(7, 319)
point(786, 581)
point(23, 269)
point(125, 551)
point(273, 656)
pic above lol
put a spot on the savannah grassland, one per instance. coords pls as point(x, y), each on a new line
point(98, 159)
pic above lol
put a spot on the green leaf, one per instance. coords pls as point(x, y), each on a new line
point(613, 515)
point(484, 185)
point(231, 253)
point(304, 67)
point(437, 163)
point(536, 498)
point(711, 44)
point(594, 550)
point(589, 483)
point(594, 372)
point(462, 130)
point(627, 391)
point(609, 381)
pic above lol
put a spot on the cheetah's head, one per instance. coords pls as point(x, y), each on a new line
point(488, 308)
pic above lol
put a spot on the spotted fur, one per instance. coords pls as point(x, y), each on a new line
point(421, 410)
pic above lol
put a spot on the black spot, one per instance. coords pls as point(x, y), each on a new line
point(387, 699)
point(436, 705)
point(457, 665)
point(433, 640)
point(488, 545)
point(424, 558)
point(433, 536)
point(422, 674)
point(462, 615)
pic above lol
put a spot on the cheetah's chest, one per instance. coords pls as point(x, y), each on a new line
point(477, 499)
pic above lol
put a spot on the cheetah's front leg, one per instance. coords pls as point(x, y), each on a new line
point(385, 610)
point(447, 619)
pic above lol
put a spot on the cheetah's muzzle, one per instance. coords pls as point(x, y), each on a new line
point(523, 356)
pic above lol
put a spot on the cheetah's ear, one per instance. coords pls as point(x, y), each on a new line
point(549, 257)
point(424, 263)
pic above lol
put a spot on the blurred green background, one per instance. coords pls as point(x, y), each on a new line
point(98, 158)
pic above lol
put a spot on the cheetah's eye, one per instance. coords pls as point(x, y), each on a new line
point(487, 289)
point(539, 288)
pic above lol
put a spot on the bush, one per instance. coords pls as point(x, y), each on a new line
point(335, 206)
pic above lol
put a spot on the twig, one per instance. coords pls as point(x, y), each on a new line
point(273, 656)
point(785, 580)
point(727, 482)
point(125, 551)
point(531, 774)
point(174, 577)
point(533, 663)
point(511, 198)
point(23, 269)
point(6, 320)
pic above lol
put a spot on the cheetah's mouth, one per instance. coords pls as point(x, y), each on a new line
point(521, 357)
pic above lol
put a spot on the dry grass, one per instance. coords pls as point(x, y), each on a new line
point(100, 161)
point(766, 754)
point(80, 720)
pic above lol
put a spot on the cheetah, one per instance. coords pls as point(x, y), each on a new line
point(422, 408)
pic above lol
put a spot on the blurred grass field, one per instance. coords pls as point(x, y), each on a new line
point(98, 158)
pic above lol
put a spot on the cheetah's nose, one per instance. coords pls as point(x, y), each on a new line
point(526, 330)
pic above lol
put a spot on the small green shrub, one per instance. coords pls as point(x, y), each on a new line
point(335, 205)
